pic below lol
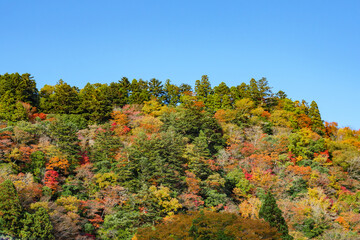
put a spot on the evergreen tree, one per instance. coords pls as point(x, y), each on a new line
point(244, 90)
point(47, 98)
point(185, 88)
point(104, 149)
point(316, 122)
point(213, 102)
point(65, 99)
point(156, 89)
point(139, 92)
point(157, 160)
point(271, 213)
point(16, 89)
point(10, 109)
point(36, 226)
point(22, 87)
point(201, 146)
point(281, 94)
point(63, 130)
point(114, 95)
point(264, 90)
point(203, 88)
point(254, 91)
point(10, 209)
point(171, 94)
point(124, 91)
point(95, 104)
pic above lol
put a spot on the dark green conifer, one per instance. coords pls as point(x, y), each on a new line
point(10, 209)
point(316, 122)
point(203, 88)
point(201, 145)
point(271, 213)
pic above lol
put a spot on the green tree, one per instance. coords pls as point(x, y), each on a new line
point(317, 124)
point(264, 90)
point(171, 94)
point(139, 92)
point(47, 94)
point(10, 109)
point(203, 88)
point(185, 88)
point(10, 209)
point(157, 160)
point(118, 93)
point(156, 89)
point(104, 149)
point(64, 133)
point(36, 226)
point(271, 213)
point(95, 104)
point(61, 98)
point(37, 165)
point(305, 143)
point(22, 87)
point(201, 146)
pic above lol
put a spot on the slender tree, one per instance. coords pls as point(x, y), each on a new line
point(316, 122)
point(271, 213)
point(10, 209)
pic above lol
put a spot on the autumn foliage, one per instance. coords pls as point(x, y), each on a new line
point(142, 160)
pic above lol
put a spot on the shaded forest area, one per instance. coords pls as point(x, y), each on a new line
point(147, 160)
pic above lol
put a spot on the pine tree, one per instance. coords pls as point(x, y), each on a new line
point(124, 91)
point(271, 213)
point(316, 122)
point(201, 145)
point(171, 94)
point(203, 88)
point(65, 98)
point(10, 208)
point(156, 89)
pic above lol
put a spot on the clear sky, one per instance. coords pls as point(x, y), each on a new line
point(310, 49)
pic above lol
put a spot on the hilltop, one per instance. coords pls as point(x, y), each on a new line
point(115, 161)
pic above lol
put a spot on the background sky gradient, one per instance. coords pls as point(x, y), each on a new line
point(309, 49)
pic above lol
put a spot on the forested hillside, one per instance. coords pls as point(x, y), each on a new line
point(150, 160)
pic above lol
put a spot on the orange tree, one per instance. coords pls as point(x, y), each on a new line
point(209, 225)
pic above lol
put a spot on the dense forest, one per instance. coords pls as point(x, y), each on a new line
point(143, 159)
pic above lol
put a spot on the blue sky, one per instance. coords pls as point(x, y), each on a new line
point(309, 49)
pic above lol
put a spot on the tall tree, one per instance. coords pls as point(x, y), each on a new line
point(95, 104)
point(203, 88)
point(171, 94)
point(264, 90)
point(124, 91)
point(139, 92)
point(63, 131)
point(16, 89)
point(103, 151)
point(22, 87)
point(156, 89)
point(271, 213)
point(316, 122)
point(10, 109)
point(10, 209)
point(157, 160)
point(61, 98)
point(223, 91)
